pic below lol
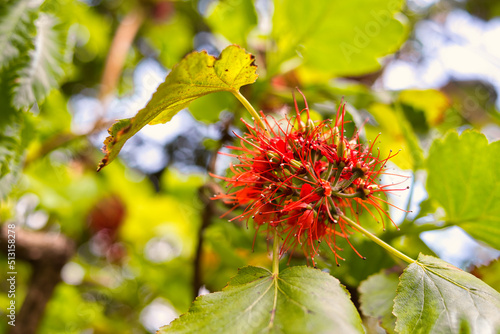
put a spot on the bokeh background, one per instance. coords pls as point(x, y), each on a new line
point(146, 239)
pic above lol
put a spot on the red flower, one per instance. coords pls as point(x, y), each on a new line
point(302, 179)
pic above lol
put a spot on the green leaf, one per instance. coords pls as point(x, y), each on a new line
point(233, 19)
point(335, 37)
point(198, 74)
point(435, 297)
point(299, 300)
point(377, 295)
point(464, 179)
point(15, 134)
point(208, 108)
point(410, 243)
point(43, 71)
point(396, 134)
point(173, 39)
point(17, 28)
point(10, 156)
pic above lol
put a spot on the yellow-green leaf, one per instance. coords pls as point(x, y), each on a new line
point(396, 134)
point(432, 103)
point(196, 75)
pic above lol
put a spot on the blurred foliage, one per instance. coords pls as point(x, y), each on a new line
point(137, 230)
point(377, 296)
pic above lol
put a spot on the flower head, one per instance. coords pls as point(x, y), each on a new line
point(302, 179)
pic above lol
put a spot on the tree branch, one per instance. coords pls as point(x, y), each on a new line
point(48, 253)
point(120, 46)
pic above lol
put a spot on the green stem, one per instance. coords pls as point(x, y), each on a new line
point(276, 254)
point(410, 197)
point(353, 195)
point(250, 109)
point(378, 241)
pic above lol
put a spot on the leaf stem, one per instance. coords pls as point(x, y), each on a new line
point(378, 241)
point(250, 109)
point(276, 254)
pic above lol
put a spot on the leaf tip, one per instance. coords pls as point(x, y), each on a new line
point(102, 163)
point(116, 136)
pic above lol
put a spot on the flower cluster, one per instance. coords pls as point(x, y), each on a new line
point(302, 179)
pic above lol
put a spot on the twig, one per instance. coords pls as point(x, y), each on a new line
point(209, 210)
point(206, 220)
